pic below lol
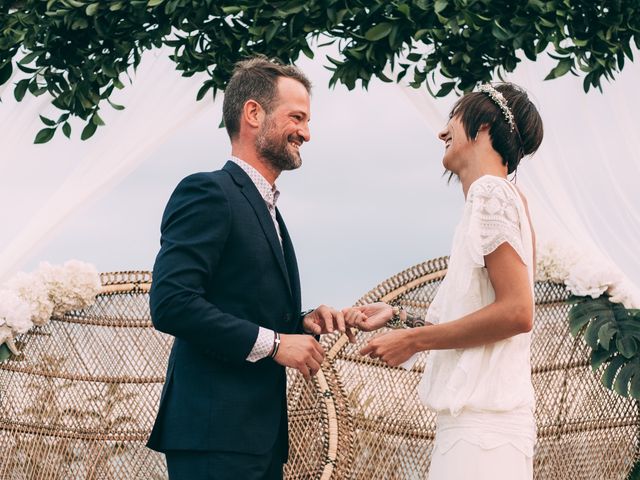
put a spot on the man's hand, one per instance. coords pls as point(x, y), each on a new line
point(326, 319)
point(376, 315)
point(301, 352)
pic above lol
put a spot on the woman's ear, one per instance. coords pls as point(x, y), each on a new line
point(484, 129)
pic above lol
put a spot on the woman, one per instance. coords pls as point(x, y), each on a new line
point(478, 374)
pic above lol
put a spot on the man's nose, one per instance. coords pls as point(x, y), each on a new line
point(305, 133)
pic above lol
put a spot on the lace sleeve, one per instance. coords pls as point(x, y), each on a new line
point(494, 219)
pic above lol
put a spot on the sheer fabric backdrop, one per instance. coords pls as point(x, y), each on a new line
point(583, 184)
point(83, 170)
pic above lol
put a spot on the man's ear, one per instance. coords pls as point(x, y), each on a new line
point(253, 114)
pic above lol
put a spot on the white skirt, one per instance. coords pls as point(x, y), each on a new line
point(483, 446)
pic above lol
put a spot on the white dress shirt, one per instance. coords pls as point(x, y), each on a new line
point(270, 194)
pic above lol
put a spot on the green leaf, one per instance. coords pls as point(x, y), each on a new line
point(378, 32)
point(154, 3)
point(66, 129)
point(97, 120)
point(563, 67)
point(445, 89)
point(598, 357)
point(30, 57)
point(88, 131)
point(21, 89)
point(75, 3)
point(501, 33)
point(5, 74)
point(591, 333)
point(383, 77)
point(5, 353)
point(580, 314)
point(231, 9)
point(421, 33)
point(634, 388)
point(92, 9)
point(606, 333)
point(79, 24)
point(405, 10)
point(47, 121)
point(271, 31)
point(440, 5)
point(611, 370)
point(621, 384)
point(203, 91)
point(115, 105)
point(627, 346)
point(44, 135)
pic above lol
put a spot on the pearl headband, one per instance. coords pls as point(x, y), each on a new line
point(499, 100)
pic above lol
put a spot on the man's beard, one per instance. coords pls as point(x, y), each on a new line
point(276, 150)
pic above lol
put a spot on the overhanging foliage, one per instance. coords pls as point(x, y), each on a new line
point(81, 50)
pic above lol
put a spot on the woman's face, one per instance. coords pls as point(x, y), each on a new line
point(456, 145)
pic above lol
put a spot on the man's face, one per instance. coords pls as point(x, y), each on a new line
point(286, 128)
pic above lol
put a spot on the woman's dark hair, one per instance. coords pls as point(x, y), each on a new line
point(478, 108)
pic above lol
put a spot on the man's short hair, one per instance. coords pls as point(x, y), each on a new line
point(255, 79)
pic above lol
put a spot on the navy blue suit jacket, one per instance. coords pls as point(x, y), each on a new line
point(220, 274)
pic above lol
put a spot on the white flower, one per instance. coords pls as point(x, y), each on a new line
point(625, 293)
point(34, 291)
point(589, 278)
point(554, 261)
point(72, 286)
point(14, 312)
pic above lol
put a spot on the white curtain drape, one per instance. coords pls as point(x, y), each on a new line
point(82, 172)
point(583, 184)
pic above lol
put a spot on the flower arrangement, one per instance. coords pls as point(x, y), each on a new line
point(605, 310)
point(31, 299)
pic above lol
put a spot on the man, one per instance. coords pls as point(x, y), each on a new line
point(226, 285)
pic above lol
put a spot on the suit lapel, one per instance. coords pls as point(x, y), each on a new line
point(291, 261)
point(259, 206)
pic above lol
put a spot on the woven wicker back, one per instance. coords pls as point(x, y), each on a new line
point(584, 430)
point(80, 402)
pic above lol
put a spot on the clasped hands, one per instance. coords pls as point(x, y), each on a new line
point(305, 354)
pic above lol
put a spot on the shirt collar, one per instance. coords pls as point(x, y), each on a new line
point(269, 193)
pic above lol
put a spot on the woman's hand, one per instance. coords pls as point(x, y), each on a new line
point(352, 317)
point(376, 315)
point(393, 348)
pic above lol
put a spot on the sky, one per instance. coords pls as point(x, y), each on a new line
point(369, 201)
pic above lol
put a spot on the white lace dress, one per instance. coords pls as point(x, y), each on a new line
point(483, 395)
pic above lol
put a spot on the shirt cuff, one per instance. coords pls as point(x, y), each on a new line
point(263, 346)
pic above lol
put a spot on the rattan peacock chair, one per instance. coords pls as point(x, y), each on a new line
point(585, 431)
point(79, 402)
